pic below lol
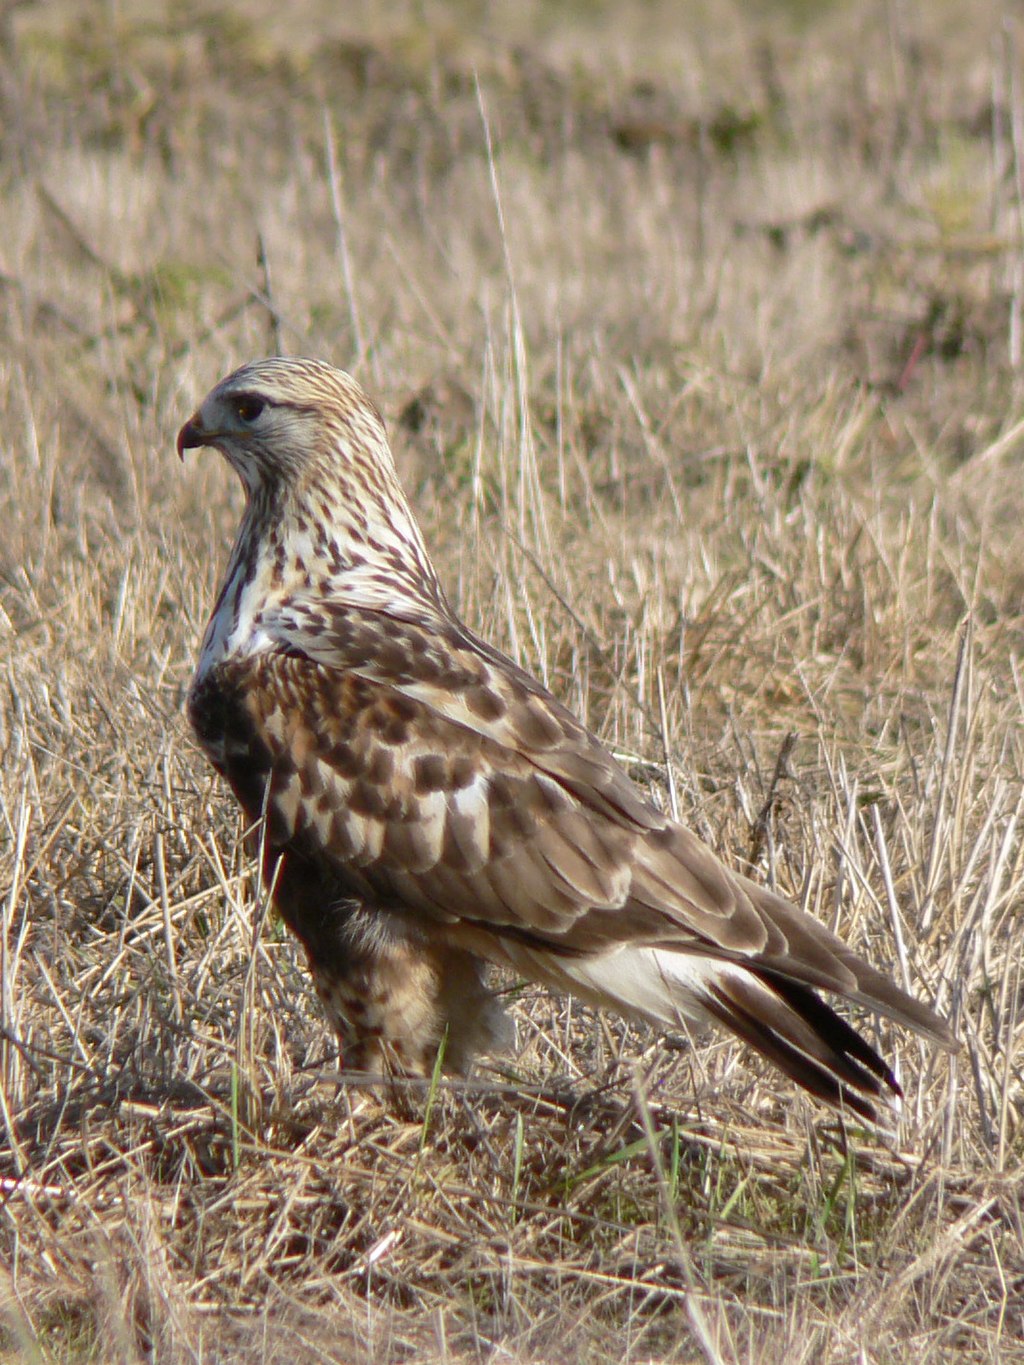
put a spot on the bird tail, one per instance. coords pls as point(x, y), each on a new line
point(781, 1018)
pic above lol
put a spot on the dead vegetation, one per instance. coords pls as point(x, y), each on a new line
point(700, 342)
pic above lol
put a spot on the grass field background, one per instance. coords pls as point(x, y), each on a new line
point(698, 330)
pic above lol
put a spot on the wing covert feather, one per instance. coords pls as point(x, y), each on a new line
point(415, 807)
point(448, 669)
point(410, 808)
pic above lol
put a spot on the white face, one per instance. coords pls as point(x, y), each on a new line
point(260, 437)
point(273, 418)
point(230, 424)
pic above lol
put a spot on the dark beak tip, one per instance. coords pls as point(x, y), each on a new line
point(189, 437)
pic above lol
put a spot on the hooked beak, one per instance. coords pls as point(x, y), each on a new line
point(191, 435)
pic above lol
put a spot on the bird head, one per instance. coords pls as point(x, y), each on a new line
point(286, 421)
point(312, 453)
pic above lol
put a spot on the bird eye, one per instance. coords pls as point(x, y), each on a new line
point(249, 408)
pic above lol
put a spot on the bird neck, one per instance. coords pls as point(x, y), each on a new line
point(357, 545)
point(299, 549)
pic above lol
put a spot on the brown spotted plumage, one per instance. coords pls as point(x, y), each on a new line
point(428, 807)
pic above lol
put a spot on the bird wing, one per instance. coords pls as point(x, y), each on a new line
point(383, 758)
point(417, 809)
point(466, 681)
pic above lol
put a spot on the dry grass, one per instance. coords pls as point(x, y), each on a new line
point(706, 383)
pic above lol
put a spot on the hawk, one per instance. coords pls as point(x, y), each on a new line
point(426, 807)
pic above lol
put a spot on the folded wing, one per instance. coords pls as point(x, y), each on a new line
point(455, 789)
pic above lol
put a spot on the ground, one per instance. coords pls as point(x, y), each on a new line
point(698, 330)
